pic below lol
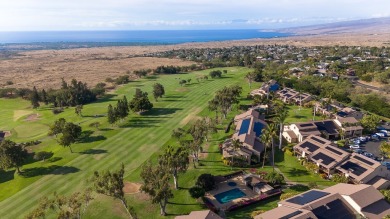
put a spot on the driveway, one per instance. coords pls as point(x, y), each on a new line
point(373, 147)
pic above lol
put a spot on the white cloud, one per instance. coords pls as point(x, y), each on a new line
point(144, 14)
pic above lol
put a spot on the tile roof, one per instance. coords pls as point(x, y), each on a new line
point(207, 214)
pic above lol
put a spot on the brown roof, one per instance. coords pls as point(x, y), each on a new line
point(350, 120)
point(362, 194)
point(206, 214)
point(322, 151)
point(282, 212)
point(362, 166)
point(377, 210)
point(378, 182)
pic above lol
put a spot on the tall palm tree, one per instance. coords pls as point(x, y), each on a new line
point(236, 144)
point(280, 119)
point(266, 140)
point(272, 132)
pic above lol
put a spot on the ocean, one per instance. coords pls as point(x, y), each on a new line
point(140, 37)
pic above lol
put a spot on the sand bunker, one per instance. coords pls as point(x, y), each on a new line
point(32, 117)
point(131, 188)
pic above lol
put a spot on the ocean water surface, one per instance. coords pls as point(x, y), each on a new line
point(144, 37)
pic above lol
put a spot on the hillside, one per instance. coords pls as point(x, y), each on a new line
point(367, 26)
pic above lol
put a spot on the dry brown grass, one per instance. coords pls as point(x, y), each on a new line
point(45, 68)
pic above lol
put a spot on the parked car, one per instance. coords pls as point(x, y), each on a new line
point(357, 142)
point(354, 147)
point(380, 134)
point(385, 163)
point(374, 137)
point(368, 154)
point(363, 139)
point(359, 151)
point(384, 132)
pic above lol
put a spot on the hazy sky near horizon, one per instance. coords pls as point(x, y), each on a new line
point(19, 15)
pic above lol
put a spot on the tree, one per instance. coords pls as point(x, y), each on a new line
point(34, 98)
point(176, 160)
point(78, 110)
point(199, 130)
point(44, 97)
point(158, 91)
point(274, 178)
point(206, 181)
point(189, 81)
point(122, 109)
point(236, 144)
point(42, 155)
point(266, 140)
point(12, 155)
point(156, 184)
point(271, 132)
point(194, 147)
point(70, 134)
point(111, 184)
point(280, 119)
point(71, 207)
point(385, 149)
point(95, 125)
point(250, 76)
point(196, 192)
point(57, 127)
point(140, 102)
point(370, 122)
point(226, 97)
point(111, 115)
point(339, 178)
point(215, 74)
point(181, 82)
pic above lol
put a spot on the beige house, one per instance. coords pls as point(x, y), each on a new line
point(322, 152)
point(265, 88)
point(248, 130)
point(337, 110)
point(340, 201)
point(361, 169)
point(350, 126)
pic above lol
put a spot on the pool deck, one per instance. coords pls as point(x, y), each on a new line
point(223, 187)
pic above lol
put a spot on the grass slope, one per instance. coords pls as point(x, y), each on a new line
point(132, 144)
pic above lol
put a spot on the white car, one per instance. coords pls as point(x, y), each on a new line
point(354, 147)
point(380, 134)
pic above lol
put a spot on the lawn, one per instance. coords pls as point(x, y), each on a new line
point(300, 114)
point(294, 171)
point(132, 142)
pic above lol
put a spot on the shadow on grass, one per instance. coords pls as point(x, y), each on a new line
point(94, 151)
point(297, 172)
point(141, 122)
point(54, 170)
point(86, 137)
point(174, 203)
point(105, 129)
point(54, 159)
point(299, 188)
point(6, 175)
point(105, 98)
point(161, 111)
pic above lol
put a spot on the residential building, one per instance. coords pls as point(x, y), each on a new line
point(325, 154)
point(361, 169)
point(335, 109)
point(206, 214)
point(292, 96)
point(249, 127)
point(339, 201)
point(266, 88)
point(297, 132)
point(350, 126)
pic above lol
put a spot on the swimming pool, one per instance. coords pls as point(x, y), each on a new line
point(230, 195)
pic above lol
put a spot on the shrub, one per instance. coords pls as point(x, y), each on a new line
point(42, 155)
point(196, 192)
point(312, 185)
point(274, 178)
point(9, 83)
point(57, 110)
point(288, 195)
point(206, 181)
point(339, 178)
point(255, 213)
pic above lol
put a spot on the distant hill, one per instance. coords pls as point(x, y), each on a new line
point(370, 26)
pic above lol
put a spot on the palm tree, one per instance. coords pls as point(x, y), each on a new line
point(342, 133)
point(281, 118)
point(272, 132)
point(236, 144)
point(266, 140)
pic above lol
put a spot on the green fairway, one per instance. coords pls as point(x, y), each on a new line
point(132, 143)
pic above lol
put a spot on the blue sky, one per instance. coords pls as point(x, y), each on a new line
point(17, 15)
